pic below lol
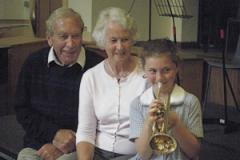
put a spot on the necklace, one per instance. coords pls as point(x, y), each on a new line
point(120, 75)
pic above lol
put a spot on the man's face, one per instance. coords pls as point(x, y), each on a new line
point(66, 39)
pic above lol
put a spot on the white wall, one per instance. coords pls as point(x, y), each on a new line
point(89, 9)
point(13, 9)
point(186, 29)
point(139, 12)
point(161, 26)
point(1, 9)
point(84, 7)
point(190, 26)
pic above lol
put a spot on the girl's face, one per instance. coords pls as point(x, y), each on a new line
point(161, 70)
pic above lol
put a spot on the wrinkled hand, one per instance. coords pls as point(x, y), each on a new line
point(65, 140)
point(49, 152)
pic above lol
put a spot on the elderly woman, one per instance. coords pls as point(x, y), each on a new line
point(107, 90)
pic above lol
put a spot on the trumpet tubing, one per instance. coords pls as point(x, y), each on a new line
point(160, 141)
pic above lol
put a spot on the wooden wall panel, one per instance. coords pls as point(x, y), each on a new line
point(43, 10)
point(191, 76)
point(216, 86)
point(16, 57)
point(3, 81)
point(54, 4)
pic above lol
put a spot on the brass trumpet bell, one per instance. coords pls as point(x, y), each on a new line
point(163, 143)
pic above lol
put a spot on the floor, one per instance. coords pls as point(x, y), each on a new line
point(11, 134)
point(217, 144)
point(3, 98)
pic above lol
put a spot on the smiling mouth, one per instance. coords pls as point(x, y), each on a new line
point(69, 52)
point(121, 54)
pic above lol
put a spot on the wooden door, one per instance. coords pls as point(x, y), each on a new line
point(43, 9)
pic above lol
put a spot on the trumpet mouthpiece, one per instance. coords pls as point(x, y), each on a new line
point(159, 84)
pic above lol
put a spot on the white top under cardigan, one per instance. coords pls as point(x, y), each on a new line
point(104, 108)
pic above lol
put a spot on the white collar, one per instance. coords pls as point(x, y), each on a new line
point(177, 96)
point(81, 58)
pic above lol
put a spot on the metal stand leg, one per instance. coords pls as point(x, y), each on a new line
point(209, 71)
point(230, 126)
point(205, 100)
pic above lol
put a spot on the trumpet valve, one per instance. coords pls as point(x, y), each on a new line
point(160, 113)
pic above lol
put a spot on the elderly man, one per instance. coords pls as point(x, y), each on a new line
point(47, 93)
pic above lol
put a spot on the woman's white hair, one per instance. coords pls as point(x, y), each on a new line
point(113, 15)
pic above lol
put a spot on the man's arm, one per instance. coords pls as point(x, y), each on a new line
point(49, 152)
point(33, 122)
point(65, 140)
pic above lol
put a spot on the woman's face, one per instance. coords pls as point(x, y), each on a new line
point(161, 70)
point(118, 43)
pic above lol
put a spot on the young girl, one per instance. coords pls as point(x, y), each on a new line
point(184, 117)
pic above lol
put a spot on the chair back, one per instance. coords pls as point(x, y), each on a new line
point(232, 44)
point(236, 57)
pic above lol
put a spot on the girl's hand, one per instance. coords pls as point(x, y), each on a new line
point(153, 111)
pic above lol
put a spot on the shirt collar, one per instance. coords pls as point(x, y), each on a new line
point(177, 96)
point(81, 58)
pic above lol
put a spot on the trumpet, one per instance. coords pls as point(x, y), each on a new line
point(160, 141)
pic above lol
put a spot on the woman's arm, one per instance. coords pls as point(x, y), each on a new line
point(87, 122)
point(85, 151)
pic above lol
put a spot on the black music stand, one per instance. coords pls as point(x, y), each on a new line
point(170, 8)
point(230, 126)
